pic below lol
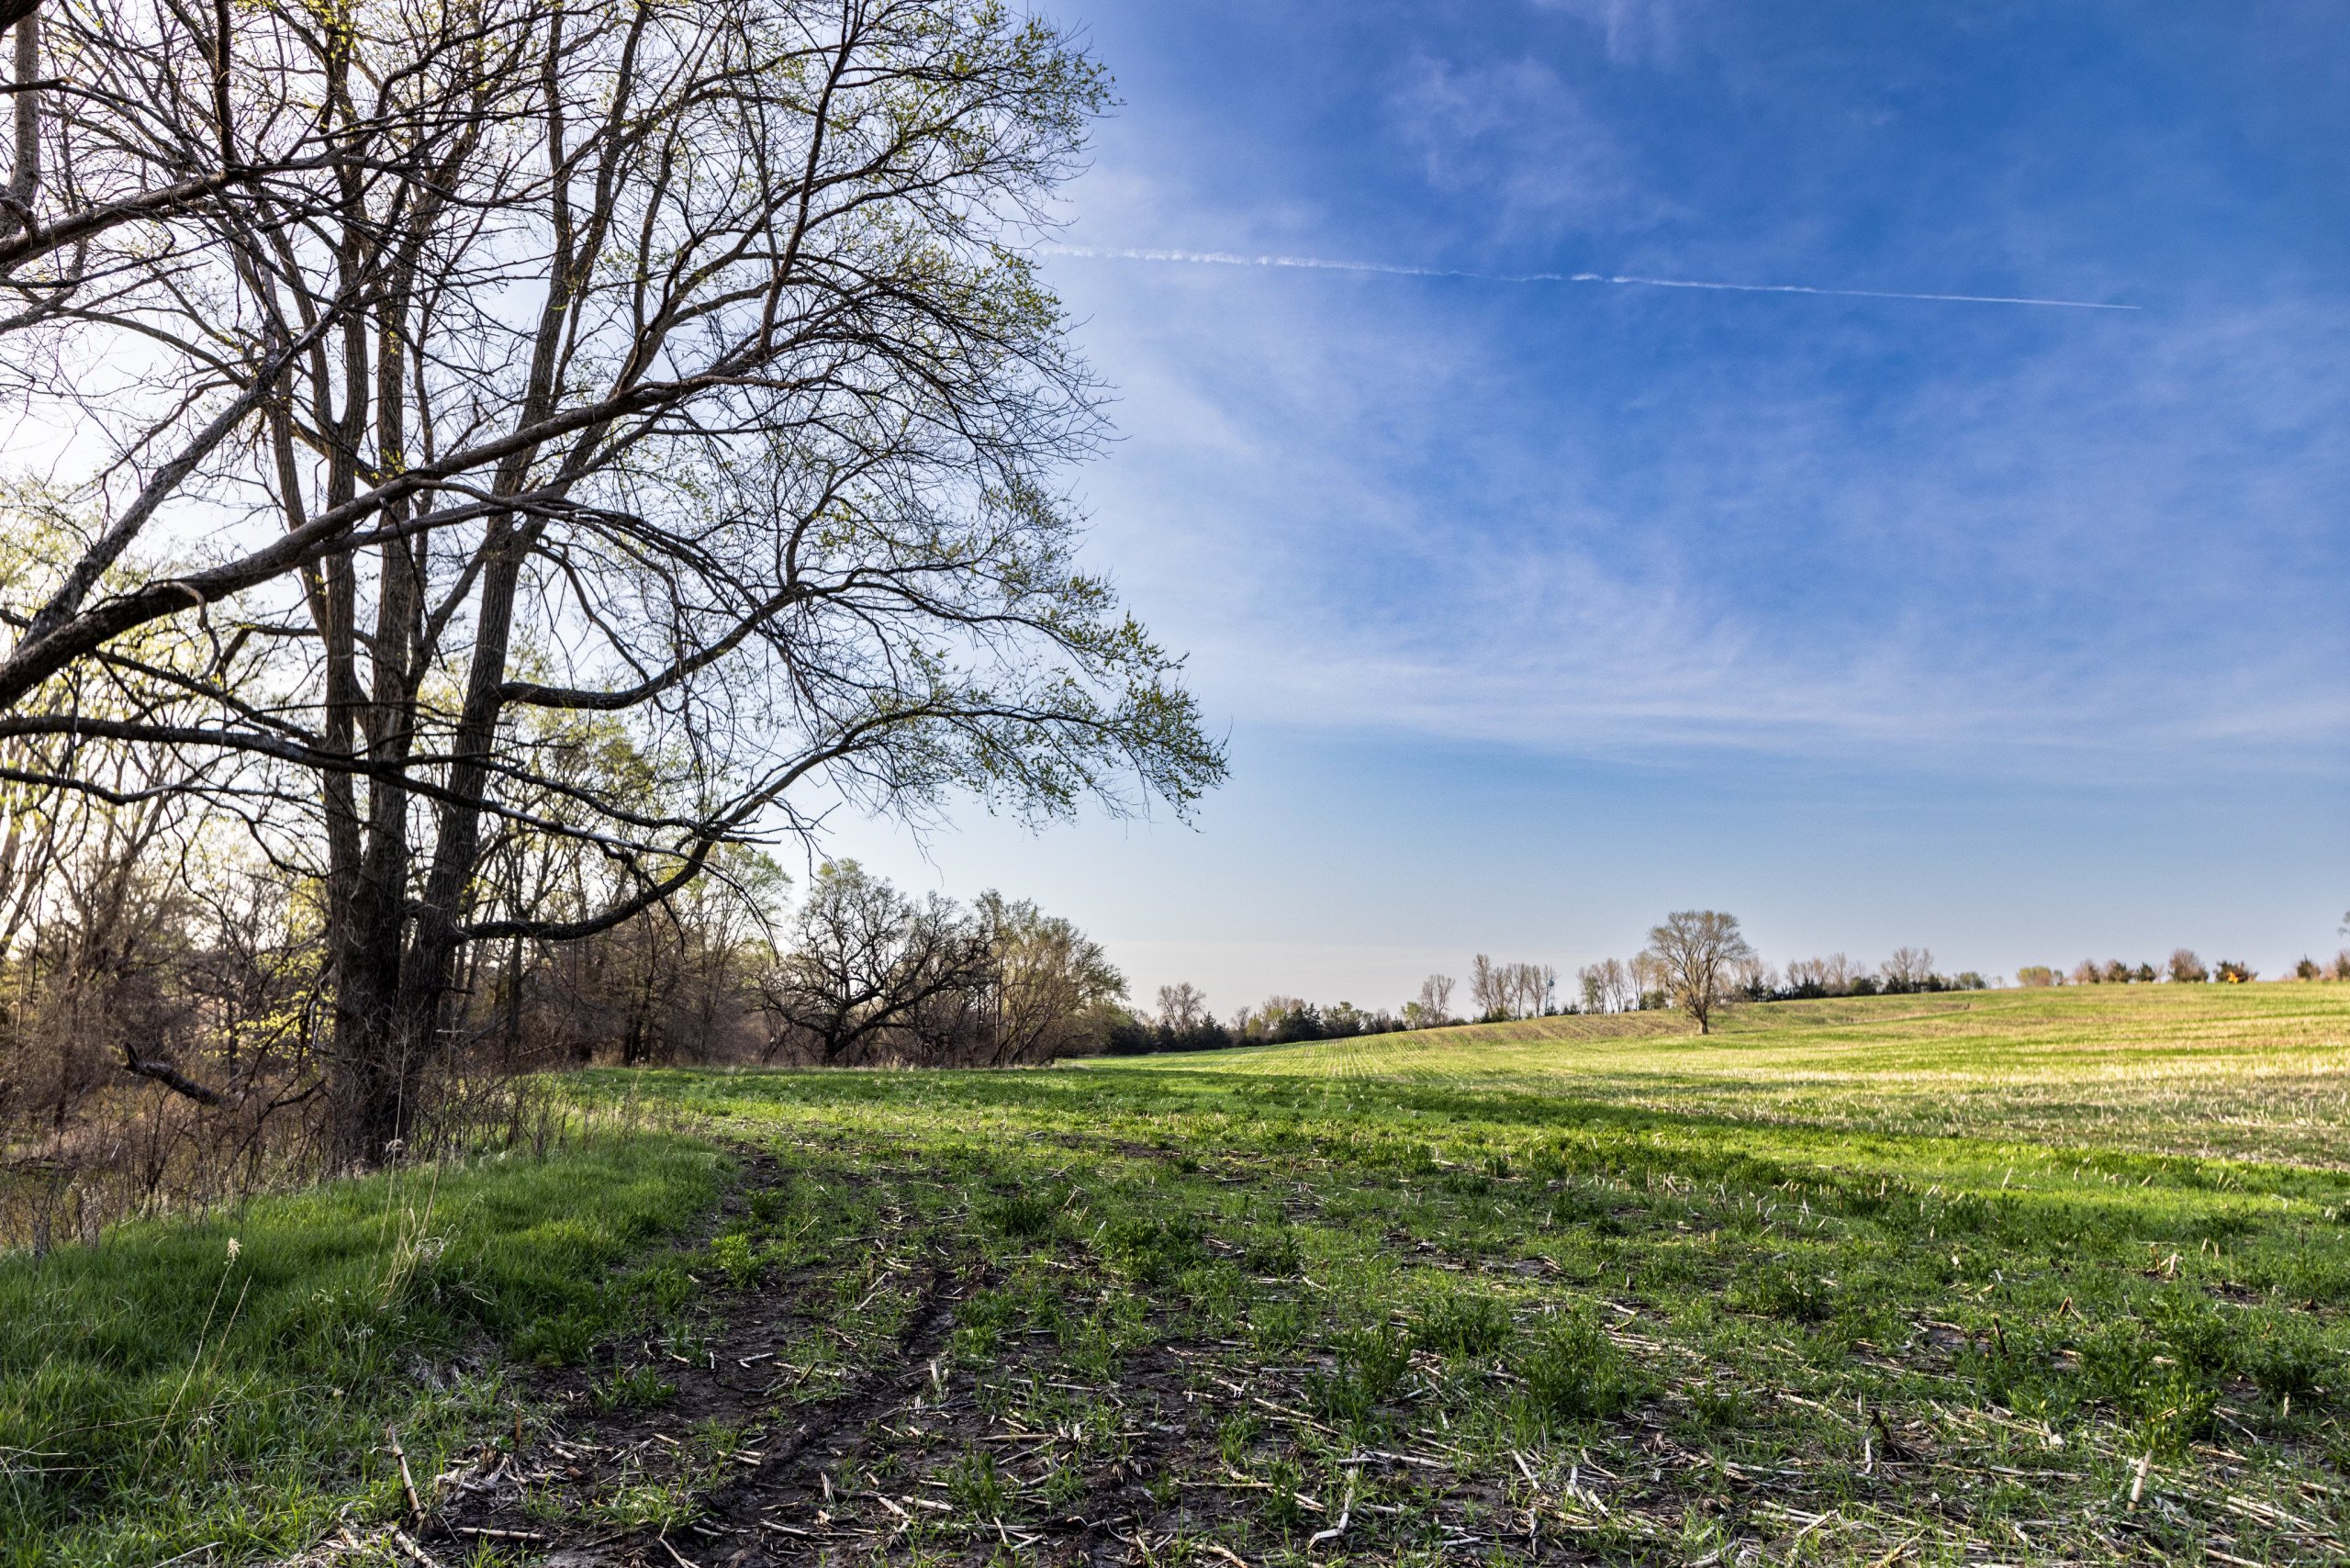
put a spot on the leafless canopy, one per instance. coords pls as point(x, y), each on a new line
point(1697, 954)
point(484, 421)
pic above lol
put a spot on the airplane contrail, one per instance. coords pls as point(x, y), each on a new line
point(1227, 259)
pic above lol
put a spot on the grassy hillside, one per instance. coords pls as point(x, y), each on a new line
point(2252, 1073)
point(1859, 1283)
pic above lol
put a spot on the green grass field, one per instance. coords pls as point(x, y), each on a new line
point(2015, 1277)
point(2244, 1072)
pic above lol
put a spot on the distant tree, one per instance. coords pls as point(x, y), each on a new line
point(2088, 971)
point(868, 966)
point(2340, 969)
point(1909, 969)
point(1969, 980)
point(1537, 989)
point(2307, 969)
point(1695, 951)
point(2032, 976)
point(1835, 975)
point(1754, 980)
point(1181, 1006)
point(1649, 982)
point(1522, 990)
point(1048, 985)
point(2143, 974)
point(1606, 986)
point(1436, 1001)
point(1128, 1035)
point(1279, 1019)
point(2232, 973)
point(2186, 968)
point(1488, 993)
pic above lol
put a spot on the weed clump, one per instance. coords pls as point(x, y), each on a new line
point(1368, 1367)
point(1152, 1252)
point(976, 1488)
point(1025, 1216)
point(1463, 1325)
point(2284, 1356)
point(634, 1388)
point(1277, 1324)
point(1574, 1373)
point(742, 1263)
point(1274, 1254)
point(1784, 1292)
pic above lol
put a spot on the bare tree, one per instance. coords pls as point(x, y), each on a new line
point(454, 387)
point(1607, 987)
point(874, 975)
point(1435, 999)
point(1487, 998)
point(2185, 968)
point(1508, 990)
point(1909, 969)
point(1752, 979)
point(1835, 975)
point(1048, 982)
point(1182, 1007)
point(1648, 980)
point(1696, 952)
point(1531, 989)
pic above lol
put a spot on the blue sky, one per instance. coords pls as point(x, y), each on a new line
point(1533, 610)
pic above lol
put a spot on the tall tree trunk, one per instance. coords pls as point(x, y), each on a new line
point(387, 1073)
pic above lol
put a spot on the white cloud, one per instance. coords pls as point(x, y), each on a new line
point(1518, 134)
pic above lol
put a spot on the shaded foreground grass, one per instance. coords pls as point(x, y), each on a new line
point(231, 1380)
point(1316, 1304)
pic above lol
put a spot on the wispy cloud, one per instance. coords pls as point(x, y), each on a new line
point(1637, 31)
point(1520, 139)
point(1405, 522)
point(1392, 269)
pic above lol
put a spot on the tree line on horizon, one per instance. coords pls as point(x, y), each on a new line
point(2182, 968)
point(1697, 962)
